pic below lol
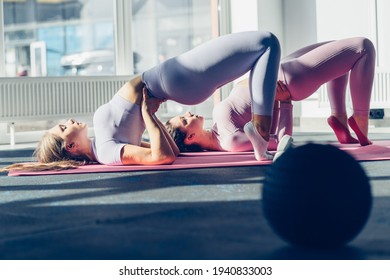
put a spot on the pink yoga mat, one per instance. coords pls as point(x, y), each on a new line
point(380, 150)
point(185, 161)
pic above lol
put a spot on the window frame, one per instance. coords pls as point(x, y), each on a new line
point(124, 64)
point(2, 44)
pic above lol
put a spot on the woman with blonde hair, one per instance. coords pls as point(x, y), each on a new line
point(189, 78)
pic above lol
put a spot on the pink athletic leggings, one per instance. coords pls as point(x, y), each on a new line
point(305, 70)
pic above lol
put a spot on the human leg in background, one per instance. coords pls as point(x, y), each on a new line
point(338, 118)
point(328, 62)
point(361, 81)
point(285, 126)
point(273, 141)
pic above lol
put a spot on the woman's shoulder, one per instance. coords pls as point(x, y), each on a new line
point(102, 109)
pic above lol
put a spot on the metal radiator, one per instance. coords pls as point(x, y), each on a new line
point(23, 99)
point(380, 97)
point(45, 98)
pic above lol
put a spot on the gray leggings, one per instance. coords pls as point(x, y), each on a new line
point(192, 77)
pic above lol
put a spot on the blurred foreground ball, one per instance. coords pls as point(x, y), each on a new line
point(316, 196)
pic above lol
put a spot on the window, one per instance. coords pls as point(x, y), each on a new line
point(166, 28)
point(77, 37)
point(162, 29)
point(58, 37)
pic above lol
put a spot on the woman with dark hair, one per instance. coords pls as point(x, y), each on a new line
point(300, 75)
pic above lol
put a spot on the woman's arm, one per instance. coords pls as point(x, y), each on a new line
point(160, 151)
point(172, 143)
point(282, 92)
point(174, 147)
point(285, 125)
point(275, 118)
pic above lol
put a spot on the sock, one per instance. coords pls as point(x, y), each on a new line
point(284, 144)
point(258, 142)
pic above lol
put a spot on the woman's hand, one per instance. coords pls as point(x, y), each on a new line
point(150, 104)
point(159, 149)
point(282, 93)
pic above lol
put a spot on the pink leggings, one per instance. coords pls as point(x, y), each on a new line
point(305, 70)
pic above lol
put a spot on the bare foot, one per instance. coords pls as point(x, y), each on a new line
point(341, 130)
point(360, 126)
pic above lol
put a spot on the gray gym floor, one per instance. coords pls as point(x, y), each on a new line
point(210, 213)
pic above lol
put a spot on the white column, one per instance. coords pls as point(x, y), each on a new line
point(225, 27)
point(124, 63)
point(3, 126)
point(225, 17)
point(270, 18)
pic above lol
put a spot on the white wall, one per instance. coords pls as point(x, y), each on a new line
point(270, 18)
point(383, 35)
point(244, 15)
point(337, 19)
point(299, 24)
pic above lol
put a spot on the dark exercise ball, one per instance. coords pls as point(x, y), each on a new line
point(316, 196)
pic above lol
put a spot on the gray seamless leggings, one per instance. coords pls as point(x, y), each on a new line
point(193, 76)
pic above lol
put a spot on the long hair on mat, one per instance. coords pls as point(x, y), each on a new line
point(51, 154)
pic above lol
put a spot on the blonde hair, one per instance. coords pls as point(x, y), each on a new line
point(51, 154)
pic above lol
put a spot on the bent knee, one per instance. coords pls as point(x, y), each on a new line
point(367, 46)
point(271, 41)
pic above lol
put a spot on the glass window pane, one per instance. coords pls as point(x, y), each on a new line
point(166, 28)
point(75, 37)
